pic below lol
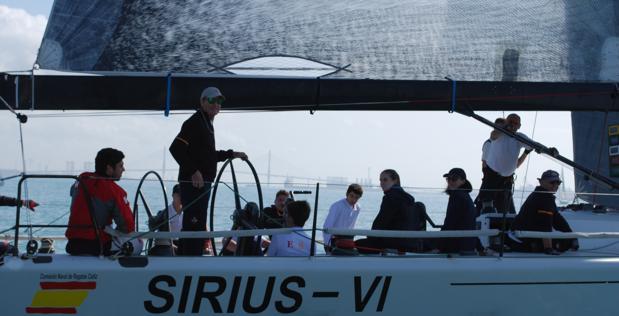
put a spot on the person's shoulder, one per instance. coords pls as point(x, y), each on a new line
point(191, 120)
point(338, 203)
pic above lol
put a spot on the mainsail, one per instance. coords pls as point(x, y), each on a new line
point(361, 55)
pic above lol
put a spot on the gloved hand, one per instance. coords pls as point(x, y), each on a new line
point(31, 204)
point(575, 245)
point(551, 251)
point(553, 152)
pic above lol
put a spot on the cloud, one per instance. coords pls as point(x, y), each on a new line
point(20, 37)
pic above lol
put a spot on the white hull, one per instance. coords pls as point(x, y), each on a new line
point(514, 285)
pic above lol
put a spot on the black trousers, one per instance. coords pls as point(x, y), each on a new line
point(194, 217)
point(81, 247)
point(498, 189)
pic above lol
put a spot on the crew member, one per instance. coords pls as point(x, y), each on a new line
point(460, 213)
point(342, 214)
point(502, 161)
point(539, 213)
point(273, 216)
point(296, 243)
point(108, 201)
point(397, 212)
point(194, 150)
point(170, 219)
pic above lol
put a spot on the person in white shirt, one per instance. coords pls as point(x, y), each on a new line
point(485, 151)
point(175, 210)
point(342, 214)
point(169, 219)
point(501, 161)
point(485, 148)
point(295, 243)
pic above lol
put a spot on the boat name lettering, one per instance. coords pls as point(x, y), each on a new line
point(254, 295)
point(68, 276)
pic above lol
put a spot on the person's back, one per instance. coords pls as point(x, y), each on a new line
point(108, 202)
point(296, 243)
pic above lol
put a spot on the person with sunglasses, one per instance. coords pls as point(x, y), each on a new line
point(539, 213)
point(502, 158)
point(194, 151)
point(460, 213)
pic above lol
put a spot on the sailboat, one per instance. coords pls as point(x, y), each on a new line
point(360, 55)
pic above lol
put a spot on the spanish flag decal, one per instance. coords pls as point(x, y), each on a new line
point(60, 297)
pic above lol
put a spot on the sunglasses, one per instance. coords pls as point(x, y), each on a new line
point(219, 100)
point(452, 178)
point(556, 182)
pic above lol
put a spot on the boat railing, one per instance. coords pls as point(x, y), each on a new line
point(18, 224)
point(363, 232)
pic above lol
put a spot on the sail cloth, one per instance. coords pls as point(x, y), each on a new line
point(368, 54)
point(481, 40)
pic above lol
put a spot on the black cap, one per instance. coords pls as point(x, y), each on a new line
point(456, 173)
point(550, 175)
point(176, 189)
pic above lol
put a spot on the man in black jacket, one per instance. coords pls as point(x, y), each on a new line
point(194, 150)
point(539, 213)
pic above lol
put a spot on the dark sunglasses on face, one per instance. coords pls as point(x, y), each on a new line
point(218, 100)
point(452, 178)
point(556, 182)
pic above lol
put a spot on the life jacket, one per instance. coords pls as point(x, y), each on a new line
point(109, 202)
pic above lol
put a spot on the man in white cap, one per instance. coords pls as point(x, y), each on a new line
point(194, 150)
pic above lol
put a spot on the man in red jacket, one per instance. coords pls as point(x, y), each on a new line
point(108, 202)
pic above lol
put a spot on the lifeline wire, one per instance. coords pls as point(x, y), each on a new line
point(528, 160)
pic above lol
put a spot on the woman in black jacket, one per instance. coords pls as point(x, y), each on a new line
point(460, 213)
point(397, 212)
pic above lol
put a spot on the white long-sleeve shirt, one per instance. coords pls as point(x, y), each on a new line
point(341, 215)
point(176, 222)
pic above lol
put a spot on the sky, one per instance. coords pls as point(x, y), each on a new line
point(421, 146)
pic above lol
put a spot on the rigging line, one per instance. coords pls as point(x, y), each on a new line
point(52, 221)
point(526, 172)
point(7, 230)
point(23, 159)
point(235, 193)
point(597, 169)
point(11, 177)
point(7, 105)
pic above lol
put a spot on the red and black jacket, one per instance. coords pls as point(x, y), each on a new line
point(109, 203)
